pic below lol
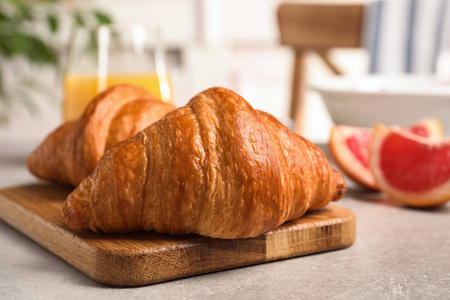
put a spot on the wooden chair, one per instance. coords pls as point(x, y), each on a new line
point(318, 28)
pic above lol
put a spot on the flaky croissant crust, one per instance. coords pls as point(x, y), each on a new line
point(215, 167)
point(70, 153)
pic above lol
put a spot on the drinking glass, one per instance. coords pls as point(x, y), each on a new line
point(106, 56)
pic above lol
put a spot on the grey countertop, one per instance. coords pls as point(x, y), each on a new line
point(399, 253)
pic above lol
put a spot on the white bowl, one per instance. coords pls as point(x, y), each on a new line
point(366, 101)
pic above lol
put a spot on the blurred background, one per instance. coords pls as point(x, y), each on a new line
point(236, 44)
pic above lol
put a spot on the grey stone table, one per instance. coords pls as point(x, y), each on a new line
point(399, 253)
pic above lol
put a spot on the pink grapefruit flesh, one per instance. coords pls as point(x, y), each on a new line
point(410, 168)
point(413, 166)
point(359, 144)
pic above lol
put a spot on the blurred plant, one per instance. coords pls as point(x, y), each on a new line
point(30, 35)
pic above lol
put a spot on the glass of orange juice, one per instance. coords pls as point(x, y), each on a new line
point(106, 56)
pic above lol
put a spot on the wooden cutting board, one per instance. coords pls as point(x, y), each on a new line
point(144, 257)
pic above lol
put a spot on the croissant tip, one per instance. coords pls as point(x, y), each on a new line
point(74, 212)
point(33, 163)
point(340, 192)
point(341, 186)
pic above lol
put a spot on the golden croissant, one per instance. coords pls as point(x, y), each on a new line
point(215, 167)
point(70, 153)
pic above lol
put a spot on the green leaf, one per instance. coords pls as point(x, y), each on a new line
point(79, 19)
point(29, 46)
point(53, 23)
point(102, 18)
point(4, 17)
point(25, 10)
point(7, 48)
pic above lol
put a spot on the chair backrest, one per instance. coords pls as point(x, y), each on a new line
point(317, 27)
point(321, 25)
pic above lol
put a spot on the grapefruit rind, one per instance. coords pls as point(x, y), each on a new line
point(346, 160)
point(433, 127)
point(429, 198)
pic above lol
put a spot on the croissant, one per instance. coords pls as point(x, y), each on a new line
point(70, 153)
point(215, 167)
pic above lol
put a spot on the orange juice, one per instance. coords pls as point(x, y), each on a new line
point(79, 90)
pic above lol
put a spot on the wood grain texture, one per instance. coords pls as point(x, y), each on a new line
point(321, 25)
point(144, 257)
point(298, 89)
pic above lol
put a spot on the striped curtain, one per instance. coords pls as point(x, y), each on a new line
point(406, 36)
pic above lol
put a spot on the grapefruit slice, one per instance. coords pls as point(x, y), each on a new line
point(349, 148)
point(411, 168)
